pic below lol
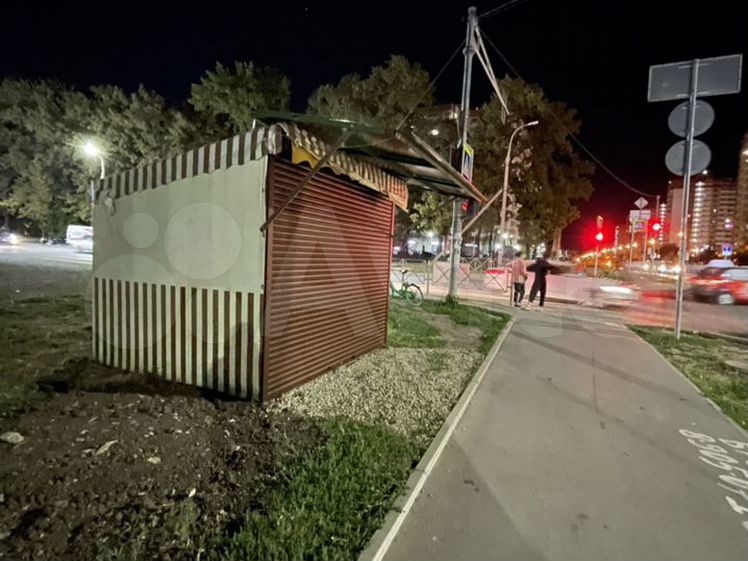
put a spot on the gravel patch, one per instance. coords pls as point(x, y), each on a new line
point(409, 390)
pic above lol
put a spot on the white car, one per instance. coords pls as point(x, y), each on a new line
point(80, 237)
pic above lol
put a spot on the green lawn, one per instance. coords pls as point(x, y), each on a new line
point(702, 360)
point(406, 327)
point(489, 323)
point(330, 503)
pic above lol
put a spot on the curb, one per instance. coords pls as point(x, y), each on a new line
point(690, 383)
point(385, 535)
point(715, 335)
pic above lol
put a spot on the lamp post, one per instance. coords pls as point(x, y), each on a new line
point(505, 190)
point(92, 151)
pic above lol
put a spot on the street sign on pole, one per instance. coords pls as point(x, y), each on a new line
point(701, 155)
point(689, 80)
point(702, 119)
point(641, 202)
point(636, 216)
point(716, 76)
point(468, 155)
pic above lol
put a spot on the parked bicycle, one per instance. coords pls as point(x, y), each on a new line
point(408, 291)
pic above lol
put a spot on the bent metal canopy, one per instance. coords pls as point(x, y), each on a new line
point(401, 153)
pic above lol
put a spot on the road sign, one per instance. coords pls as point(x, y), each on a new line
point(690, 80)
point(726, 249)
point(641, 202)
point(703, 118)
point(700, 158)
point(716, 76)
point(639, 215)
point(467, 161)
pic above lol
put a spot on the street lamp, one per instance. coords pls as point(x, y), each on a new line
point(506, 178)
point(93, 151)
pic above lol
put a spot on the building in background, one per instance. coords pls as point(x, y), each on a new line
point(741, 199)
point(673, 202)
point(712, 215)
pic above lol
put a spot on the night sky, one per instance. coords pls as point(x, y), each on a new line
point(592, 55)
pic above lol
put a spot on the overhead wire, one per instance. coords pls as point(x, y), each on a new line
point(431, 85)
point(579, 143)
point(505, 6)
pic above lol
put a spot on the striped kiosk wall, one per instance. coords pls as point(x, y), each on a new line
point(199, 336)
point(234, 151)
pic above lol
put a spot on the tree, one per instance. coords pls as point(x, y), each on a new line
point(547, 177)
point(232, 97)
point(394, 94)
point(44, 177)
point(40, 177)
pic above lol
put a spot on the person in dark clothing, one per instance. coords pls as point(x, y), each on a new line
point(540, 268)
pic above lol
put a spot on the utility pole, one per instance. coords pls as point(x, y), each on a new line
point(687, 157)
point(454, 256)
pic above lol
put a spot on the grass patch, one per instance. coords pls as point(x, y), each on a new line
point(330, 502)
point(701, 359)
point(38, 335)
point(405, 328)
point(489, 323)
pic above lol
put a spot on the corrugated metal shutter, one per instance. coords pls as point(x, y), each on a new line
point(327, 276)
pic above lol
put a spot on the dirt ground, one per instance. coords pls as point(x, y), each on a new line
point(116, 466)
point(133, 476)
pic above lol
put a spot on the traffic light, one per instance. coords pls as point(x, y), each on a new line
point(469, 208)
point(656, 226)
point(599, 236)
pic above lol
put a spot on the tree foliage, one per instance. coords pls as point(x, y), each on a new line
point(44, 176)
point(394, 94)
point(547, 177)
point(233, 96)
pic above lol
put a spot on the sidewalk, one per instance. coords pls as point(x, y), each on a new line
point(571, 449)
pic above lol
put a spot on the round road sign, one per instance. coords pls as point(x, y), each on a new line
point(703, 118)
point(700, 158)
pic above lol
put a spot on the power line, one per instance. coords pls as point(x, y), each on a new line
point(431, 85)
point(502, 8)
point(579, 143)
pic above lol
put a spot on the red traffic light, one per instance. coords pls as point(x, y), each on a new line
point(656, 226)
point(599, 236)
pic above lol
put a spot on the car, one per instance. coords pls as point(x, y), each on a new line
point(80, 237)
point(721, 285)
point(8, 238)
point(52, 240)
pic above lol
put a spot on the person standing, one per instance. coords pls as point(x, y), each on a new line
point(518, 272)
point(540, 268)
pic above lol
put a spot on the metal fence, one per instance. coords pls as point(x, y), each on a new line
point(474, 273)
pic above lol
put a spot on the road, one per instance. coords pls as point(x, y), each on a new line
point(581, 442)
point(697, 316)
point(647, 311)
point(42, 255)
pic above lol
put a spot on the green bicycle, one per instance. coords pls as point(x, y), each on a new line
point(408, 291)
